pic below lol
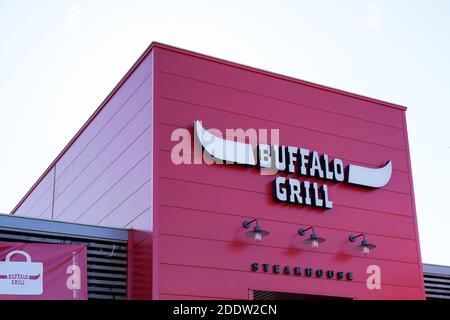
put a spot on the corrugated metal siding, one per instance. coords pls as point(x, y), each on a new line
point(104, 177)
point(106, 258)
point(437, 282)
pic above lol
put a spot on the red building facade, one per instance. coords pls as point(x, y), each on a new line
point(187, 239)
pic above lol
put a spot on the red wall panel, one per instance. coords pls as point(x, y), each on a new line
point(261, 107)
point(348, 219)
point(214, 71)
point(202, 248)
point(232, 255)
point(225, 227)
point(223, 283)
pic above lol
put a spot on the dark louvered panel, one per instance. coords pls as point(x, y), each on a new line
point(270, 295)
point(107, 271)
point(437, 282)
point(106, 256)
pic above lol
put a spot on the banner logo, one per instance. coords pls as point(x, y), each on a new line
point(21, 278)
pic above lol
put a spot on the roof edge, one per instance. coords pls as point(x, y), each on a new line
point(277, 75)
point(59, 227)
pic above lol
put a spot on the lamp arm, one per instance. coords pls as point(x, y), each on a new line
point(353, 238)
point(302, 231)
point(246, 224)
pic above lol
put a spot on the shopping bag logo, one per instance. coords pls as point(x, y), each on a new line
point(21, 278)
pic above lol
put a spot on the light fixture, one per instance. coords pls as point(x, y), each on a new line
point(314, 240)
point(364, 246)
point(257, 233)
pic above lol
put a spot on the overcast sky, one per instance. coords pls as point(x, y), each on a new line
point(60, 59)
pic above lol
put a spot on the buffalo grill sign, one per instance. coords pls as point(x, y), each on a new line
point(299, 161)
point(30, 271)
point(303, 163)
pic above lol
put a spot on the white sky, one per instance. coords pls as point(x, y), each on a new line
point(60, 59)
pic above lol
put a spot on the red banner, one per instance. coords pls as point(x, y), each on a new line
point(36, 271)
